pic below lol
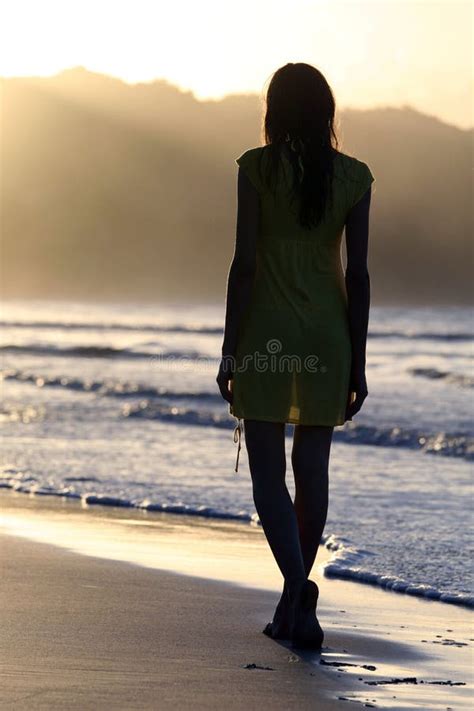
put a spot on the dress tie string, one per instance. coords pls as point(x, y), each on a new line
point(237, 440)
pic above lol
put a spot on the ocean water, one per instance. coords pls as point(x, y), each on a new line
point(118, 405)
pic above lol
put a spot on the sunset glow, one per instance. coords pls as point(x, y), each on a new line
point(373, 53)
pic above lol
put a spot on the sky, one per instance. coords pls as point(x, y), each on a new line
point(379, 53)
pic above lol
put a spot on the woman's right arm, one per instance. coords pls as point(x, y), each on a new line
point(241, 277)
point(357, 282)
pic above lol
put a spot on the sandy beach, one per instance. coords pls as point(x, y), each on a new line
point(219, 222)
point(107, 608)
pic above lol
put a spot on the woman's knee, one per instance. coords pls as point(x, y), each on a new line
point(310, 462)
point(310, 454)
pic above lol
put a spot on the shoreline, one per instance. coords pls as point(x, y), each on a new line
point(372, 635)
point(342, 560)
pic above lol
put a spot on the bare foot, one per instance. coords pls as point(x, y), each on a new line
point(305, 628)
point(279, 627)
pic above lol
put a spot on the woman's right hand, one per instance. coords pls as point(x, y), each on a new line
point(357, 388)
point(225, 376)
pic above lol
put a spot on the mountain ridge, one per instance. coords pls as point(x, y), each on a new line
point(117, 190)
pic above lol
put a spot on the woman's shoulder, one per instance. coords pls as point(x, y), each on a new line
point(251, 163)
point(250, 154)
point(350, 166)
point(355, 174)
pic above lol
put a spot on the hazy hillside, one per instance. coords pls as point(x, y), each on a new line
point(112, 190)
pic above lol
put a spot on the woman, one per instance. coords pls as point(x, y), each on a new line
point(294, 348)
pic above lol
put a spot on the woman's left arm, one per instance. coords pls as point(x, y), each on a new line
point(240, 278)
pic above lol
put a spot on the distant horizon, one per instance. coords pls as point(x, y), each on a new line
point(392, 52)
point(96, 171)
point(163, 80)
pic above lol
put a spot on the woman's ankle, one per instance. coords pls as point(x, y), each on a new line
point(293, 588)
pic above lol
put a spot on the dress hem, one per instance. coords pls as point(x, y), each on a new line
point(289, 421)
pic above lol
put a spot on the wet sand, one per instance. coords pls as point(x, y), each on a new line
point(118, 609)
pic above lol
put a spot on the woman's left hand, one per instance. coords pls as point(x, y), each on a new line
point(224, 378)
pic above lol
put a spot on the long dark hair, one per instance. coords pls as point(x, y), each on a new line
point(300, 110)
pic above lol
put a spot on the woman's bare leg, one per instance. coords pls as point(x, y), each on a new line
point(265, 443)
point(310, 461)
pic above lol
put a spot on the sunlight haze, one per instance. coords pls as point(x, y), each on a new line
point(373, 53)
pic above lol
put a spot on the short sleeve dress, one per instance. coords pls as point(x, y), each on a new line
point(293, 355)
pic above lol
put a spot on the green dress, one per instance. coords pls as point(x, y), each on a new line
point(293, 355)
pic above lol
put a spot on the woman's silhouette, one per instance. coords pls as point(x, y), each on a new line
point(289, 301)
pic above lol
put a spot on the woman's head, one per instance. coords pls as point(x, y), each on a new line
point(300, 108)
point(299, 105)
